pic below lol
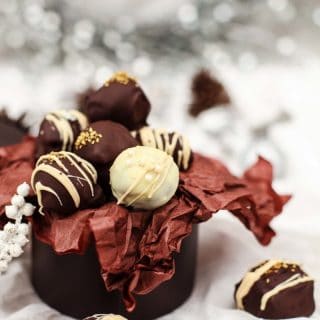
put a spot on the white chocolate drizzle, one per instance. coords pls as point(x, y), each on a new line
point(61, 119)
point(110, 316)
point(152, 174)
point(250, 279)
point(253, 276)
point(168, 142)
point(86, 174)
point(291, 282)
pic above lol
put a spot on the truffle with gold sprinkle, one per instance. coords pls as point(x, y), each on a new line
point(120, 99)
point(64, 183)
point(101, 143)
point(276, 289)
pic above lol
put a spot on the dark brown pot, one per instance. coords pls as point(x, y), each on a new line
point(72, 283)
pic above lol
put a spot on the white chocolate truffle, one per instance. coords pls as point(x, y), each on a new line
point(144, 178)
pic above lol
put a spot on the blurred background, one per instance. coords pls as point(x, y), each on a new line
point(264, 53)
point(261, 56)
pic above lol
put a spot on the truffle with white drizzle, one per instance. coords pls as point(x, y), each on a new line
point(276, 289)
point(110, 316)
point(173, 143)
point(58, 131)
point(64, 183)
point(144, 178)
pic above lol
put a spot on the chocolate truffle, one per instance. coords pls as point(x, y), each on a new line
point(276, 290)
point(102, 142)
point(120, 99)
point(64, 183)
point(144, 178)
point(173, 143)
point(105, 317)
point(58, 131)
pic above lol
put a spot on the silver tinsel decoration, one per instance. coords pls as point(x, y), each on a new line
point(93, 39)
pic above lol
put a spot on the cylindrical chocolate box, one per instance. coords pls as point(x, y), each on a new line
point(72, 283)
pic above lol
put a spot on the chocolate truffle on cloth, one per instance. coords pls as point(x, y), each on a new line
point(59, 129)
point(173, 143)
point(105, 317)
point(64, 183)
point(102, 142)
point(276, 290)
point(120, 99)
point(144, 178)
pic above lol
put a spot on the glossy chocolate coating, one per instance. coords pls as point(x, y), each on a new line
point(101, 143)
point(119, 101)
point(295, 299)
point(65, 183)
point(58, 130)
point(72, 283)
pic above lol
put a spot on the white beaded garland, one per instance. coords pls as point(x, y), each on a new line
point(12, 212)
point(27, 209)
point(15, 250)
point(18, 201)
point(23, 189)
point(3, 266)
point(14, 235)
point(23, 228)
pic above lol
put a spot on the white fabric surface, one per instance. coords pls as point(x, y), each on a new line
point(226, 249)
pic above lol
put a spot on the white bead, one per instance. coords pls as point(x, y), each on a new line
point(23, 228)
point(10, 228)
point(3, 266)
point(149, 176)
point(21, 240)
point(3, 236)
point(27, 209)
point(15, 250)
point(5, 256)
point(2, 245)
point(11, 212)
point(23, 189)
point(18, 200)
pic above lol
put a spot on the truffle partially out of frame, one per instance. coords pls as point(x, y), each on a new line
point(105, 317)
point(276, 290)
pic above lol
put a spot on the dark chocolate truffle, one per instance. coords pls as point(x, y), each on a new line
point(102, 142)
point(120, 99)
point(105, 317)
point(173, 143)
point(58, 131)
point(276, 290)
point(64, 183)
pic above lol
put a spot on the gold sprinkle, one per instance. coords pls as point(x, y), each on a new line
point(87, 136)
point(121, 77)
point(268, 280)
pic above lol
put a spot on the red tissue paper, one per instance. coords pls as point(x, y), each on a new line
point(136, 248)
